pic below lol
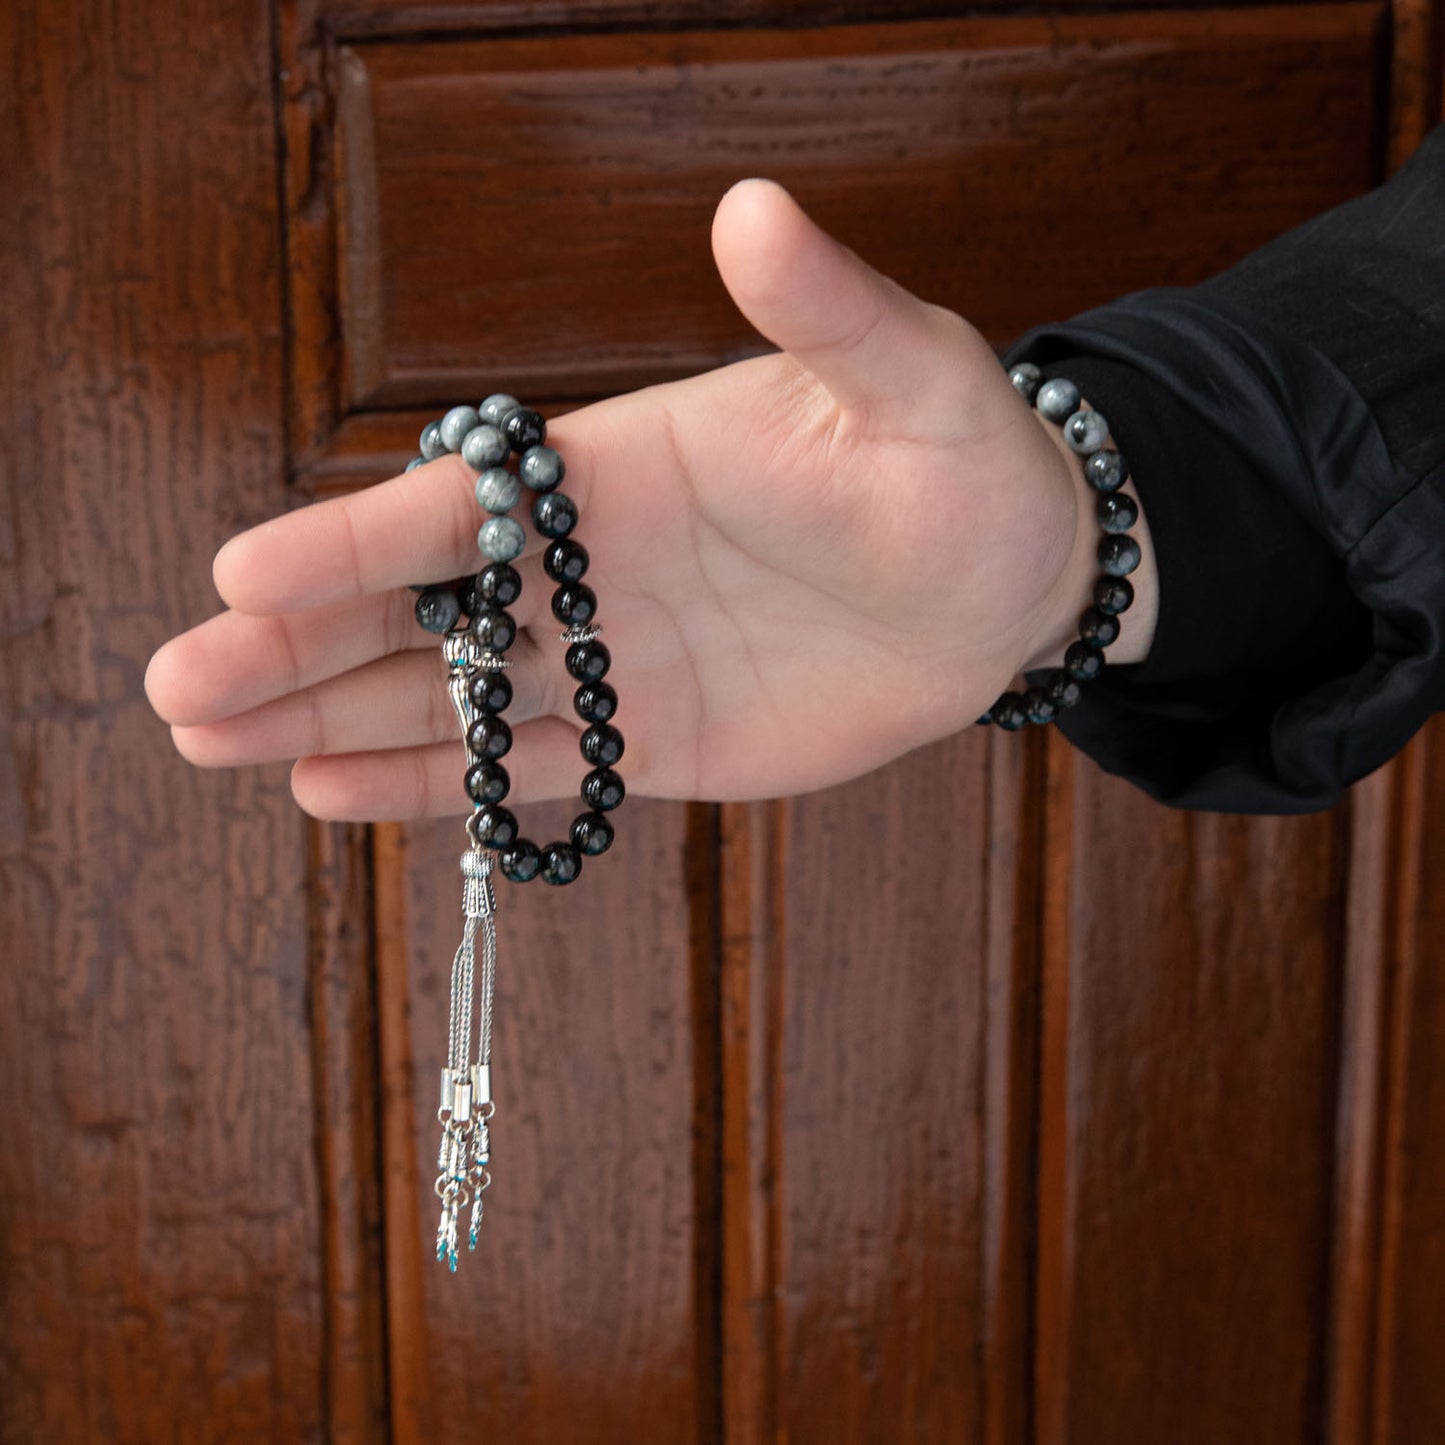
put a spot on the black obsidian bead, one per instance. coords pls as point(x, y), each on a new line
point(602, 744)
point(437, 609)
point(1062, 690)
point(499, 584)
point(565, 561)
point(522, 861)
point(595, 701)
point(561, 863)
point(1106, 471)
point(489, 737)
point(593, 833)
point(1118, 556)
point(1096, 628)
point(490, 691)
point(588, 661)
point(554, 514)
point(574, 604)
point(487, 782)
point(1117, 511)
point(494, 826)
point(1113, 595)
point(1083, 662)
point(1038, 707)
point(1009, 712)
point(524, 428)
point(494, 629)
point(603, 790)
point(467, 595)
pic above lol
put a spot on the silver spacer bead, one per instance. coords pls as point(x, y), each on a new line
point(584, 633)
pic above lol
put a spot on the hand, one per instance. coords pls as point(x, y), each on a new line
point(807, 564)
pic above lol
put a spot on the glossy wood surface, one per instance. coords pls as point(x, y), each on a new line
point(160, 1200)
point(586, 1313)
point(538, 210)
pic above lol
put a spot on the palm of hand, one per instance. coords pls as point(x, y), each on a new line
point(807, 564)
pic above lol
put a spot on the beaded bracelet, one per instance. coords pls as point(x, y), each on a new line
point(471, 614)
point(1118, 554)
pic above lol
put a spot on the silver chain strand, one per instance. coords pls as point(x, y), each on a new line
point(466, 1093)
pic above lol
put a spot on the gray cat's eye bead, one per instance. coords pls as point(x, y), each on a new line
point(498, 491)
point(431, 444)
point(1027, 379)
point(496, 406)
point(1086, 432)
point(501, 539)
point(415, 462)
point(456, 424)
point(484, 446)
point(541, 468)
point(1058, 399)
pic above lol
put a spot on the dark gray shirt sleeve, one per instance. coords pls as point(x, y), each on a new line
point(1285, 423)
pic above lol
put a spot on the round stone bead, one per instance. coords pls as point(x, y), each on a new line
point(603, 790)
point(1096, 628)
point(1083, 662)
point(430, 444)
point(414, 463)
point(565, 561)
point(494, 629)
point(588, 661)
point(595, 701)
point(1086, 432)
point(498, 490)
point(1026, 379)
point(1037, 706)
point(487, 782)
point(437, 609)
point(593, 833)
point(574, 605)
point(1009, 712)
point(501, 539)
point(496, 407)
point(490, 691)
point(554, 514)
point(489, 737)
point(522, 861)
point(484, 446)
point(456, 424)
point(561, 863)
point(541, 469)
point(1106, 471)
point(1062, 690)
point(523, 428)
point(1117, 511)
point(1118, 556)
point(499, 583)
point(1058, 399)
point(1113, 595)
point(494, 826)
point(602, 744)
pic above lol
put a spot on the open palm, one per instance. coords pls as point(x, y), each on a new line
point(807, 564)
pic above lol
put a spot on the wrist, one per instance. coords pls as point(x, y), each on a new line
point(1073, 590)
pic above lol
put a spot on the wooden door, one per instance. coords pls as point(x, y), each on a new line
point(980, 1100)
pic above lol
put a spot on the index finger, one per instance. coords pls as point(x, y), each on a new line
point(418, 527)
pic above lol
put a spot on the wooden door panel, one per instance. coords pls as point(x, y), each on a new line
point(536, 211)
point(585, 1313)
point(1190, 1063)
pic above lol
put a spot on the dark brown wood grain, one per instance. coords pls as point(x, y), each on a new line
point(1191, 1015)
point(368, 18)
point(160, 1213)
point(578, 1317)
point(539, 208)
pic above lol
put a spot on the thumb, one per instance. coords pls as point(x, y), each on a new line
point(863, 336)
